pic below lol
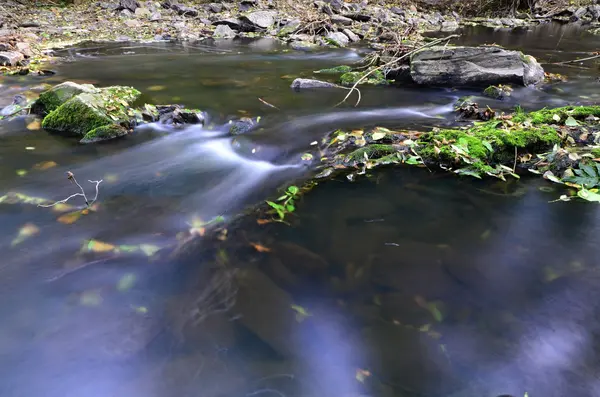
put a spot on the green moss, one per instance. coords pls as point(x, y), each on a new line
point(373, 151)
point(375, 78)
point(76, 117)
point(335, 70)
point(59, 94)
point(547, 116)
point(596, 152)
point(104, 133)
point(477, 141)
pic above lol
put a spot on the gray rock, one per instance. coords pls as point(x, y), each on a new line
point(233, 23)
point(302, 84)
point(155, 17)
point(290, 27)
point(224, 32)
point(449, 26)
point(351, 35)
point(142, 12)
point(579, 13)
point(341, 20)
point(25, 49)
point(130, 5)
point(185, 10)
point(594, 11)
point(259, 19)
point(338, 38)
point(215, 7)
point(303, 45)
point(10, 58)
point(459, 66)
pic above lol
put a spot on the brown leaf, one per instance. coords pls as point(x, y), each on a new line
point(44, 165)
point(34, 125)
point(260, 248)
point(70, 217)
point(263, 221)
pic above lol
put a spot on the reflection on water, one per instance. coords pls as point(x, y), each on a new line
point(406, 283)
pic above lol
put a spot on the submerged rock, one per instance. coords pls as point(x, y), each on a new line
point(459, 66)
point(301, 84)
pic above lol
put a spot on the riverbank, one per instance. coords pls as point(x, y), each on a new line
point(28, 33)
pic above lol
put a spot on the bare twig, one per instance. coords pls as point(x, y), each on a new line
point(393, 61)
point(268, 104)
point(577, 60)
point(71, 177)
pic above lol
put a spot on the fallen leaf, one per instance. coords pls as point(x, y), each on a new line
point(44, 165)
point(21, 172)
point(34, 125)
point(301, 313)
point(378, 135)
point(571, 122)
point(126, 282)
point(70, 217)
point(26, 231)
point(156, 88)
point(149, 249)
point(264, 221)
point(99, 246)
point(90, 298)
point(260, 248)
point(362, 374)
point(556, 118)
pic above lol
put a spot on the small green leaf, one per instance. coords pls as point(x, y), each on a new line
point(378, 135)
point(468, 172)
point(307, 157)
point(290, 208)
point(277, 207)
point(293, 190)
point(589, 195)
point(487, 145)
point(571, 122)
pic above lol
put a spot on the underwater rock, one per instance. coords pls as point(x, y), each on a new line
point(460, 66)
point(301, 84)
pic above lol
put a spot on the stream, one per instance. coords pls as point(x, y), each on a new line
point(404, 283)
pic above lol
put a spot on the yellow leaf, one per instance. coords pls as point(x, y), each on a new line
point(260, 248)
point(99, 246)
point(34, 125)
point(44, 165)
point(148, 249)
point(70, 217)
point(156, 88)
point(378, 135)
point(362, 374)
point(126, 282)
point(25, 232)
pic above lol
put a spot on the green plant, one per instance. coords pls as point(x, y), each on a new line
point(285, 203)
point(588, 176)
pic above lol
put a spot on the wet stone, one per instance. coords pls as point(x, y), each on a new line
point(11, 58)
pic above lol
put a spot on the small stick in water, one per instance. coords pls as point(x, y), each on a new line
point(268, 104)
point(71, 177)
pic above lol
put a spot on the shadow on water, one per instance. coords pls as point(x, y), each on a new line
point(406, 283)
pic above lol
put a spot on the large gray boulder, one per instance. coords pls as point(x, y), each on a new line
point(459, 66)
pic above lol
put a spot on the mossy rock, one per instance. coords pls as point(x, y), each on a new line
point(104, 133)
point(374, 151)
point(59, 94)
point(84, 113)
point(375, 78)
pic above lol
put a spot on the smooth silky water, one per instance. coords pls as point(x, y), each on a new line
point(403, 283)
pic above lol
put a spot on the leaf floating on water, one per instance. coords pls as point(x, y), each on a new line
point(362, 375)
point(90, 298)
point(34, 125)
point(155, 88)
point(99, 246)
point(21, 172)
point(307, 157)
point(149, 249)
point(28, 230)
point(260, 248)
point(301, 313)
point(589, 195)
point(44, 165)
point(70, 217)
point(128, 248)
point(126, 282)
point(140, 309)
point(264, 221)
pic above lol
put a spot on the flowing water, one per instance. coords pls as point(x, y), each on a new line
point(405, 283)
